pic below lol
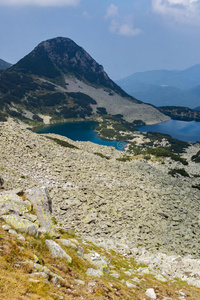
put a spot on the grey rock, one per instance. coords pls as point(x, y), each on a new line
point(40, 199)
point(114, 274)
point(20, 224)
point(10, 202)
point(100, 262)
point(13, 232)
point(68, 243)
point(57, 251)
point(33, 280)
point(80, 251)
point(128, 273)
point(80, 282)
point(30, 217)
point(56, 279)
point(160, 278)
point(130, 284)
point(151, 293)
point(93, 272)
point(91, 283)
point(21, 237)
point(6, 227)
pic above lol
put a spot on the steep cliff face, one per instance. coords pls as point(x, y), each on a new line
point(59, 79)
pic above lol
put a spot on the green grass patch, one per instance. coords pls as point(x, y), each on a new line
point(124, 158)
point(101, 155)
point(62, 143)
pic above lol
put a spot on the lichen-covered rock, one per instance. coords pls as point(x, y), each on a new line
point(40, 199)
point(20, 224)
point(10, 202)
point(57, 251)
point(100, 262)
point(93, 272)
point(68, 243)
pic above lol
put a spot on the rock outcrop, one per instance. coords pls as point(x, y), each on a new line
point(57, 251)
point(41, 202)
point(29, 213)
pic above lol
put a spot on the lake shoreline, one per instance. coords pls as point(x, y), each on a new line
point(188, 131)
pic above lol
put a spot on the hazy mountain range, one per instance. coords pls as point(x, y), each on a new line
point(165, 88)
point(59, 80)
point(4, 65)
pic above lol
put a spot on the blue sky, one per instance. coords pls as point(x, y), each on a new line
point(124, 36)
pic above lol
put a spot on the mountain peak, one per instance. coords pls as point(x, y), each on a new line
point(62, 50)
point(61, 56)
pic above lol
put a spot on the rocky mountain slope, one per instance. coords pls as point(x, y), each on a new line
point(60, 80)
point(181, 113)
point(165, 88)
point(133, 207)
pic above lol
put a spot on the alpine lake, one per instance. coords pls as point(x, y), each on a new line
point(85, 131)
point(78, 131)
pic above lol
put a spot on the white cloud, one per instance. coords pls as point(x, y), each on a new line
point(182, 11)
point(128, 30)
point(112, 11)
point(72, 3)
point(122, 25)
point(86, 15)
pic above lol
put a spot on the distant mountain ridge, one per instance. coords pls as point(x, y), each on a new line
point(4, 65)
point(59, 80)
point(165, 88)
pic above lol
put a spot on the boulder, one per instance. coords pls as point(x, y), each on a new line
point(151, 294)
point(100, 262)
point(39, 197)
point(57, 251)
point(20, 224)
point(10, 202)
point(68, 243)
point(93, 272)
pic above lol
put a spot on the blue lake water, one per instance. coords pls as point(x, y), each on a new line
point(84, 131)
point(79, 131)
point(184, 131)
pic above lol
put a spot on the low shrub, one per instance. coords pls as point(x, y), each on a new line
point(181, 172)
point(101, 155)
point(196, 157)
point(124, 158)
point(163, 152)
